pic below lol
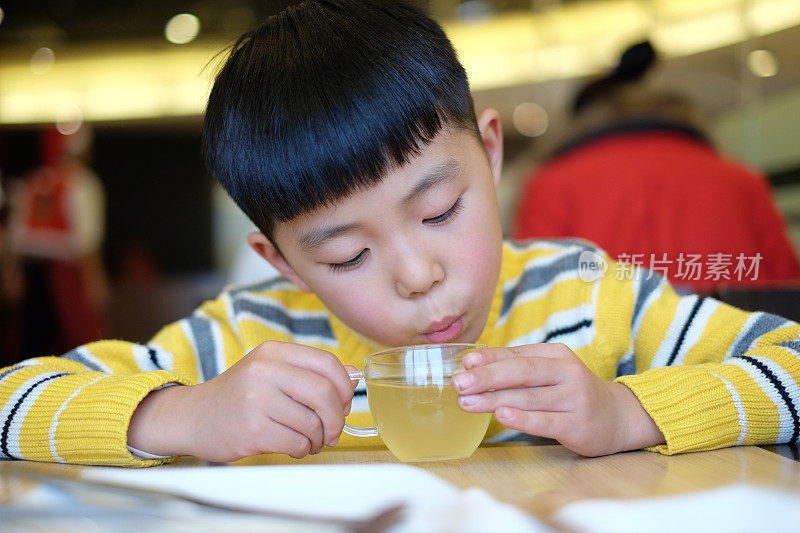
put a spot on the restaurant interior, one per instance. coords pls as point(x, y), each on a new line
point(120, 89)
point(133, 77)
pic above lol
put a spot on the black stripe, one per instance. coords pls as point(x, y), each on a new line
point(685, 328)
point(4, 436)
point(568, 329)
point(154, 358)
point(781, 390)
point(362, 392)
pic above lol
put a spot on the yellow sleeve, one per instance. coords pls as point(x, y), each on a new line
point(76, 408)
point(710, 375)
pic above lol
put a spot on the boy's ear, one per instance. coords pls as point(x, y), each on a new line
point(492, 134)
point(264, 247)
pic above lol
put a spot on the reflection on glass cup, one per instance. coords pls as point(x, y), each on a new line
point(414, 406)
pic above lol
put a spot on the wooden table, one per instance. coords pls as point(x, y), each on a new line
point(540, 479)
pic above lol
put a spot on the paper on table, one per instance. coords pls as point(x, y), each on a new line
point(340, 491)
point(732, 509)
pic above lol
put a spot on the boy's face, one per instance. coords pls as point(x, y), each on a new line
point(414, 259)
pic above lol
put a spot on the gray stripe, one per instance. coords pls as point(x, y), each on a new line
point(647, 286)
point(78, 357)
point(765, 323)
point(260, 286)
point(792, 345)
point(320, 327)
point(626, 366)
point(537, 277)
point(206, 349)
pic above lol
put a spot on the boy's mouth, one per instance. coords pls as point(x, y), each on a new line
point(445, 330)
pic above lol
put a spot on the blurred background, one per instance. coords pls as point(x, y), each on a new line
point(119, 88)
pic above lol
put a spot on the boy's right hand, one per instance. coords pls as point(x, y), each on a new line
point(280, 397)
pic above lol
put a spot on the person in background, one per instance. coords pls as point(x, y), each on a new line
point(642, 180)
point(58, 223)
point(11, 289)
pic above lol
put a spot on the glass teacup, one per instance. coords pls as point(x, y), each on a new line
point(414, 406)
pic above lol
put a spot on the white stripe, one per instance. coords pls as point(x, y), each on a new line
point(302, 339)
point(533, 294)
point(574, 340)
point(682, 313)
point(187, 330)
point(789, 383)
point(20, 367)
point(784, 417)
point(165, 358)
point(12, 435)
point(228, 303)
point(219, 347)
point(652, 297)
point(696, 328)
point(54, 422)
point(737, 402)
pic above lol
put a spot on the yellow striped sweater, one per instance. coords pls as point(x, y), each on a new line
point(710, 375)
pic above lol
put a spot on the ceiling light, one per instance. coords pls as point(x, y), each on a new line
point(69, 119)
point(762, 63)
point(530, 119)
point(182, 28)
point(42, 60)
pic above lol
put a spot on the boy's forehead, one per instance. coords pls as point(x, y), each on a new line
point(436, 162)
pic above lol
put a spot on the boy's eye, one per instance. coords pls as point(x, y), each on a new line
point(447, 215)
point(350, 263)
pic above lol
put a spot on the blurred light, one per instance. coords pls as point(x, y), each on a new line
point(1, 15)
point(530, 119)
point(42, 60)
point(69, 119)
point(182, 28)
point(762, 63)
point(475, 11)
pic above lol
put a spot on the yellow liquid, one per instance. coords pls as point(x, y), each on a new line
point(424, 423)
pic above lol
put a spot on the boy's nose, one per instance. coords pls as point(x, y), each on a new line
point(416, 275)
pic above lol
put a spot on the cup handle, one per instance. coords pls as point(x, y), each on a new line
point(355, 430)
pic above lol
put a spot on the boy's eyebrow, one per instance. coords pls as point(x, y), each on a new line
point(442, 172)
point(317, 236)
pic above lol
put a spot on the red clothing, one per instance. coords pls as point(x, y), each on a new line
point(661, 192)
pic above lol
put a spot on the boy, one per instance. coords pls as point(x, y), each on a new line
point(346, 131)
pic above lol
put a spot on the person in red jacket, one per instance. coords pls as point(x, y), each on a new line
point(644, 183)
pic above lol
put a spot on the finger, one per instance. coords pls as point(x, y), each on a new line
point(282, 439)
point(509, 373)
point(315, 360)
point(541, 424)
point(550, 398)
point(353, 382)
point(301, 419)
point(319, 394)
point(486, 356)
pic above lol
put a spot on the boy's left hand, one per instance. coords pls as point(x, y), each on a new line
point(546, 390)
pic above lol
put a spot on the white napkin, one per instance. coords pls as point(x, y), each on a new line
point(740, 508)
point(342, 491)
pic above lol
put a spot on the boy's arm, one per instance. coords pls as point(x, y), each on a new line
point(708, 374)
point(76, 408)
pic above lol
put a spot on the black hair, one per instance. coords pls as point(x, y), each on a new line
point(633, 63)
point(323, 98)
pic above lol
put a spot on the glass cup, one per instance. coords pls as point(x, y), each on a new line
point(414, 405)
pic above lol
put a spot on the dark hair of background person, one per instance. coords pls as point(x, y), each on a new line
point(325, 97)
point(626, 100)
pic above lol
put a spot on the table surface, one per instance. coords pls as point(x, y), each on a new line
point(540, 479)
